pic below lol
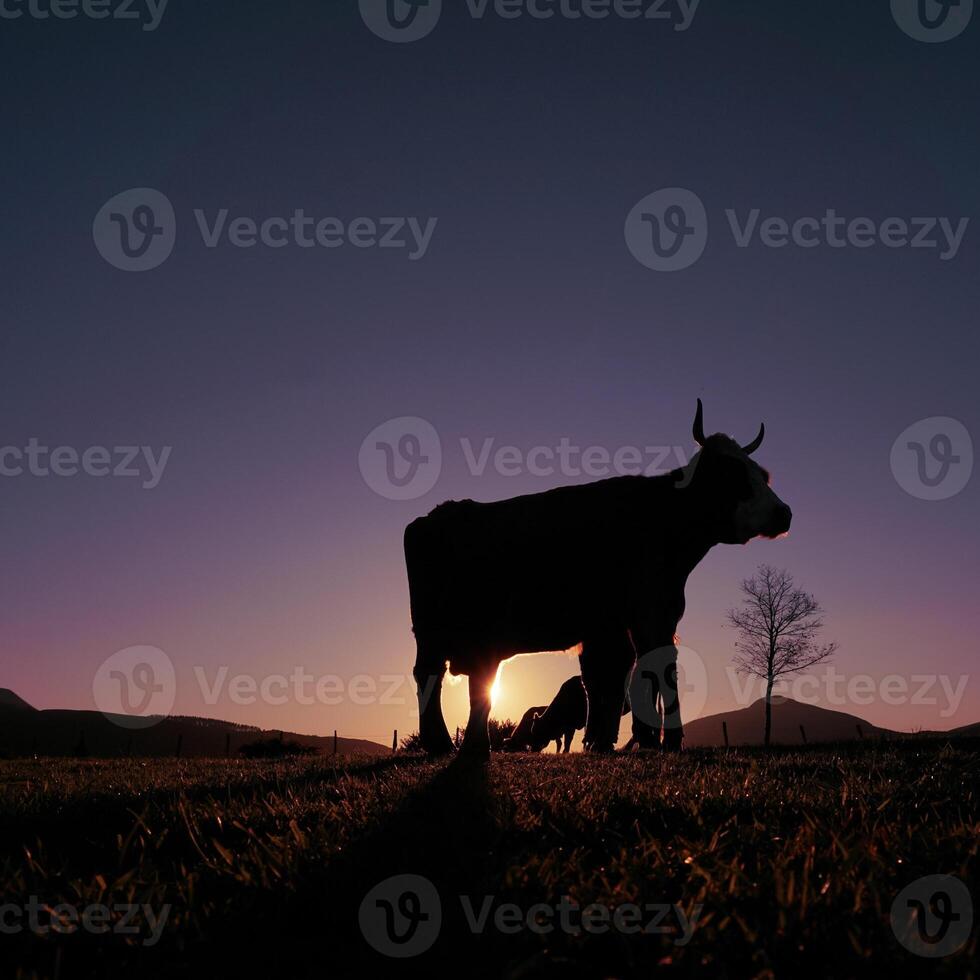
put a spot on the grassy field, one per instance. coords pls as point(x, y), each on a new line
point(786, 863)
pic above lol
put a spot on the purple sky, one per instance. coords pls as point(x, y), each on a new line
point(526, 321)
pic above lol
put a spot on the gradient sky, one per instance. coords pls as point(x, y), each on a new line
point(527, 321)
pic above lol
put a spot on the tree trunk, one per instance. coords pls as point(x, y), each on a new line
point(769, 684)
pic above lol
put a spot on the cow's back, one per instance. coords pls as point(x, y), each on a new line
point(569, 710)
point(520, 573)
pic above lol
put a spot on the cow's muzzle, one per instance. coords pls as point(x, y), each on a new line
point(779, 522)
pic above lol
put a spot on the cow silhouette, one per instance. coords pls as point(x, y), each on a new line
point(601, 564)
point(567, 712)
point(519, 739)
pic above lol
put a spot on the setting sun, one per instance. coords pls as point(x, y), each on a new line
point(495, 687)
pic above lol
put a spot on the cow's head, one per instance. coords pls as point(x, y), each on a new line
point(517, 740)
point(732, 490)
point(537, 740)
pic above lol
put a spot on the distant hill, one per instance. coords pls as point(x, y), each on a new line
point(965, 731)
point(25, 731)
point(10, 700)
point(747, 726)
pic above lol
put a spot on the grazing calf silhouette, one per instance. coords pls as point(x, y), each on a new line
point(519, 739)
point(567, 712)
point(603, 564)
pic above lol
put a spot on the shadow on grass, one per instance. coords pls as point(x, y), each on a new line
point(445, 831)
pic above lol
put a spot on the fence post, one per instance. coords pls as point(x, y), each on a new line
point(803, 733)
point(180, 744)
point(724, 729)
point(394, 741)
point(335, 741)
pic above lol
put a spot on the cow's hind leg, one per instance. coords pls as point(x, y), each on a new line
point(476, 742)
point(430, 669)
point(606, 662)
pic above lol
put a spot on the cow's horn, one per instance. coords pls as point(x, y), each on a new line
point(699, 424)
point(756, 442)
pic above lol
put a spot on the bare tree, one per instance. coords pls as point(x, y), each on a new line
point(777, 626)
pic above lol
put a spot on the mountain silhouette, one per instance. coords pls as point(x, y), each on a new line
point(965, 731)
point(747, 726)
point(25, 731)
point(10, 700)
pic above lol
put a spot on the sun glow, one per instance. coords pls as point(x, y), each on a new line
point(496, 687)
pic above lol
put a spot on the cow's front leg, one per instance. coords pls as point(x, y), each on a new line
point(656, 671)
point(645, 698)
point(656, 674)
point(673, 729)
point(606, 661)
point(476, 742)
